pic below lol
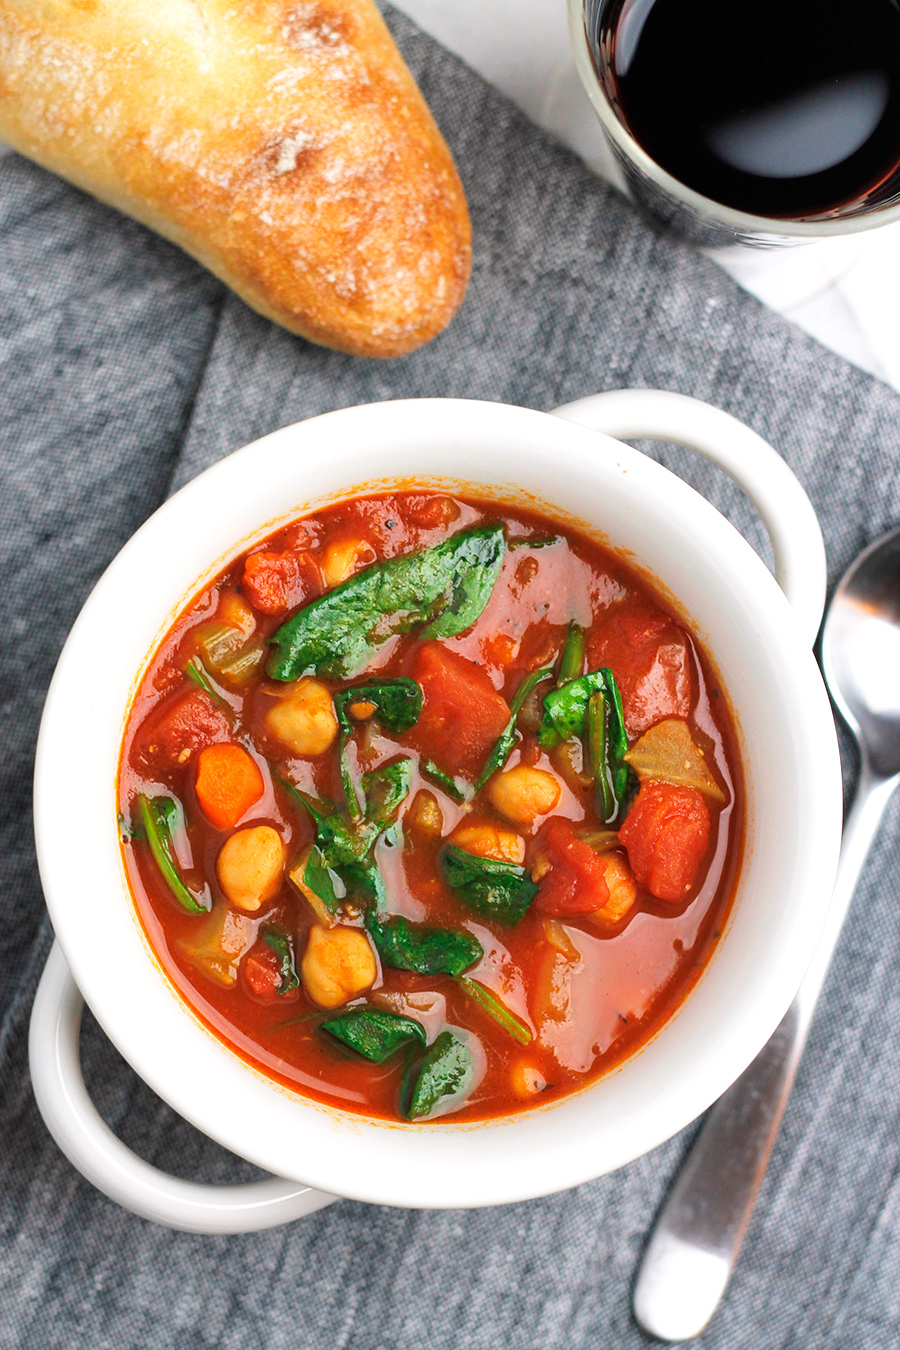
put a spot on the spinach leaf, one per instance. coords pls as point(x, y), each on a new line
point(490, 1004)
point(617, 738)
point(158, 814)
point(341, 842)
point(396, 704)
point(457, 789)
point(282, 947)
point(385, 789)
point(323, 881)
point(607, 745)
point(565, 708)
point(446, 1070)
point(494, 889)
point(572, 662)
point(426, 950)
point(444, 588)
point(591, 706)
point(373, 1033)
point(364, 883)
point(598, 750)
point(326, 889)
point(320, 810)
point(507, 738)
point(340, 865)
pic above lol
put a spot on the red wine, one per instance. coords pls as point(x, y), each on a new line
point(784, 108)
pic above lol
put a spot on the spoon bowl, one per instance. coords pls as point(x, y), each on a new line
point(861, 653)
point(698, 1234)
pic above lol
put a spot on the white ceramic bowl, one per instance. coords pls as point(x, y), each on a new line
point(760, 644)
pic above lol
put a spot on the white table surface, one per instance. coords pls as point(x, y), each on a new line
point(846, 292)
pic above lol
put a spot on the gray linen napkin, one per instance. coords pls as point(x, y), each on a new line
point(124, 369)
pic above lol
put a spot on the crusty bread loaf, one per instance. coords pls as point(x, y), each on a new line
point(283, 143)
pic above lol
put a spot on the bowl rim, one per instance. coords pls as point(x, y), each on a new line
point(442, 1176)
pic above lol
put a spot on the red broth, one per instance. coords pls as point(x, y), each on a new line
point(584, 977)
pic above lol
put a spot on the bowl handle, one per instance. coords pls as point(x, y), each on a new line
point(786, 511)
point(72, 1119)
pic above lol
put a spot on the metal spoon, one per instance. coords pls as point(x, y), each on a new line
point(699, 1232)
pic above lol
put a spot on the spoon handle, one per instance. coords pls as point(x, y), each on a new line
point(699, 1231)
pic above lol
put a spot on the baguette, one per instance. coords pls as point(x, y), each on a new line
point(281, 143)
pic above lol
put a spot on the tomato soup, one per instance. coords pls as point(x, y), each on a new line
point(431, 808)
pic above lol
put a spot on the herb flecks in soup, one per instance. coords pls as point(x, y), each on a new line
point(431, 808)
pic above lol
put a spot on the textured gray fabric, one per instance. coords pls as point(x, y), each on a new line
point(124, 370)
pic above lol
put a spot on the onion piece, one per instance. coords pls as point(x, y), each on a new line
point(668, 754)
point(557, 936)
point(601, 841)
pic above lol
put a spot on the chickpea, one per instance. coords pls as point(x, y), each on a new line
point(234, 612)
point(489, 841)
point(622, 890)
point(343, 558)
point(522, 794)
point(249, 866)
point(425, 814)
point(304, 719)
point(526, 1079)
point(338, 965)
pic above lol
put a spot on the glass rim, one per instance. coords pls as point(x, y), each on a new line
point(741, 222)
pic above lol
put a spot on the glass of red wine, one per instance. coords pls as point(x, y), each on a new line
point(749, 121)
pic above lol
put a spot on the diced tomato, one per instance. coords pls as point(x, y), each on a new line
point(185, 726)
point(666, 834)
point(649, 656)
point(576, 882)
point(462, 714)
point(261, 973)
point(276, 582)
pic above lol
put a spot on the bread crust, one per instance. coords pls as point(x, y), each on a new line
point(281, 143)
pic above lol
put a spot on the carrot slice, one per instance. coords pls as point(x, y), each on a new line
point(228, 783)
